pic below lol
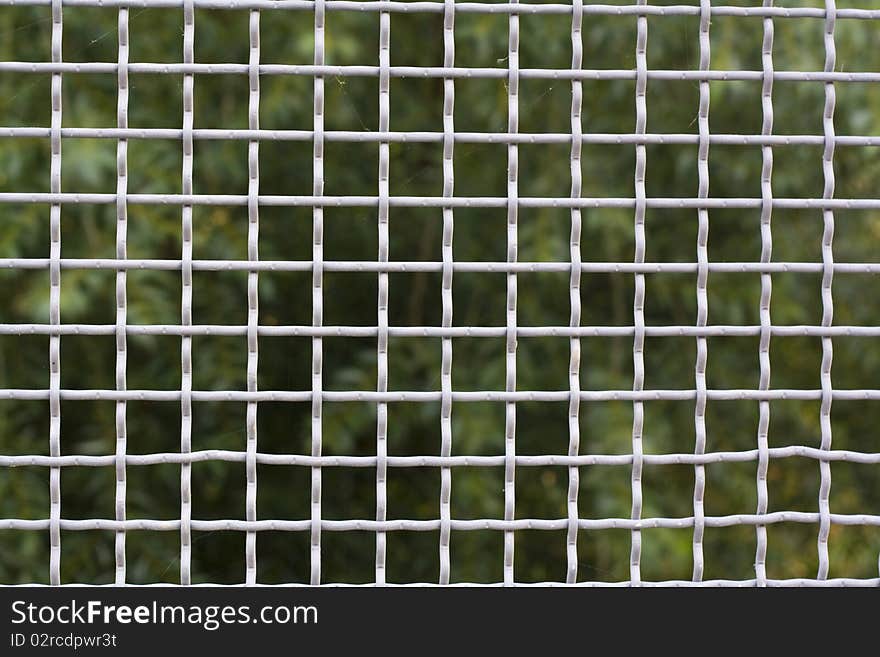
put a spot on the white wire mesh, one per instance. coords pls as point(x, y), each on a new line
point(384, 203)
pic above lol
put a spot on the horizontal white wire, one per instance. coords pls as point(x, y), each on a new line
point(225, 330)
point(438, 72)
point(434, 525)
point(437, 137)
point(470, 7)
point(441, 201)
point(543, 460)
point(416, 266)
point(727, 394)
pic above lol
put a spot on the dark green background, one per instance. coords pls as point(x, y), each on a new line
point(221, 101)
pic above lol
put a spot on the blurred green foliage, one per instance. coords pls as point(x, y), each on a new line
point(479, 299)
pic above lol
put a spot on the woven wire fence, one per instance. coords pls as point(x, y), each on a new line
point(573, 529)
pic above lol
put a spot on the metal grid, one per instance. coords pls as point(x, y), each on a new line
point(384, 203)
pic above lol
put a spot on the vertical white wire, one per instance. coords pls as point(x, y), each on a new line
point(317, 295)
point(827, 299)
point(121, 300)
point(186, 299)
point(55, 307)
point(512, 240)
point(766, 292)
point(446, 343)
point(639, 295)
point(702, 297)
point(253, 293)
point(382, 342)
point(574, 366)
